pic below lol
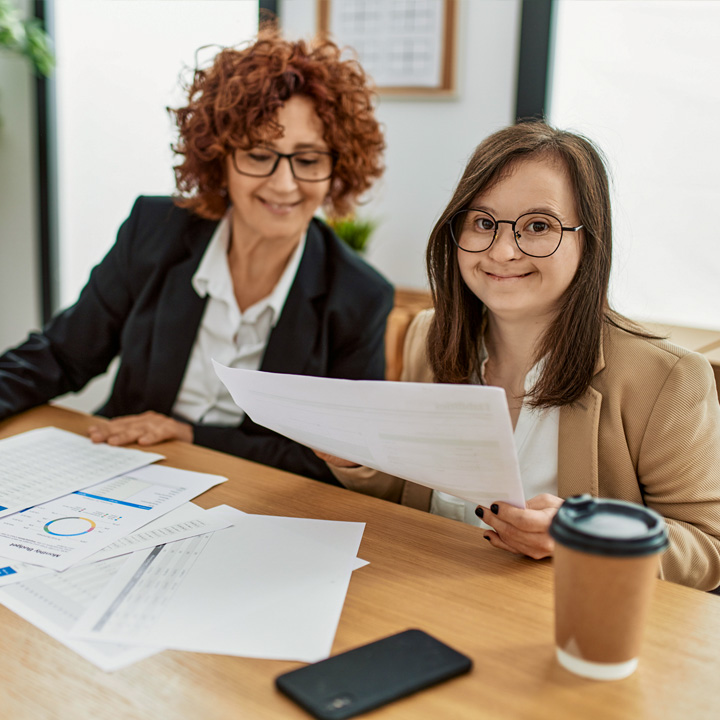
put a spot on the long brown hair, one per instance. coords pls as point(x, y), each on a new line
point(571, 345)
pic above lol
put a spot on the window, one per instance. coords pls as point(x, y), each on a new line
point(639, 78)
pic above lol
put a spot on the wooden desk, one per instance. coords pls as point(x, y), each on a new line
point(425, 572)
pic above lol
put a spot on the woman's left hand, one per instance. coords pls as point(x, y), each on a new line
point(523, 531)
point(148, 428)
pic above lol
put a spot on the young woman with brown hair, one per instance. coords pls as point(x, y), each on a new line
point(519, 265)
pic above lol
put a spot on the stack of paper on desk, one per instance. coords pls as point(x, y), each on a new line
point(269, 587)
point(68, 529)
point(143, 569)
point(55, 514)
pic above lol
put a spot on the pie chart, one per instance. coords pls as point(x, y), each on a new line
point(69, 526)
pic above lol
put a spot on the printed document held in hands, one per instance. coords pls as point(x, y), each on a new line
point(453, 438)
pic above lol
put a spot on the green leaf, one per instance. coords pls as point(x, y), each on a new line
point(25, 37)
point(353, 231)
point(38, 48)
point(12, 31)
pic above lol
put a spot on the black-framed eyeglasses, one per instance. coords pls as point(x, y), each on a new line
point(536, 234)
point(305, 165)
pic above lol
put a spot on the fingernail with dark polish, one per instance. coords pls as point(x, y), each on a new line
point(479, 512)
point(494, 508)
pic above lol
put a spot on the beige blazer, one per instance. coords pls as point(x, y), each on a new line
point(647, 430)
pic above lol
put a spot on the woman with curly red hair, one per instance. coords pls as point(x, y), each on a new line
point(235, 267)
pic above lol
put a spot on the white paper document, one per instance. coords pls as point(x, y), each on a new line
point(56, 601)
point(186, 521)
point(64, 531)
point(268, 587)
point(46, 463)
point(453, 438)
point(12, 572)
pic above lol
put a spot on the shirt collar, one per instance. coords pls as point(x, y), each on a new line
point(212, 272)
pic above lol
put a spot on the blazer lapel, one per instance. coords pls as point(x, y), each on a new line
point(578, 442)
point(179, 311)
point(294, 338)
point(578, 446)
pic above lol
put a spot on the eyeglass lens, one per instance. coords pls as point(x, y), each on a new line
point(536, 234)
point(312, 165)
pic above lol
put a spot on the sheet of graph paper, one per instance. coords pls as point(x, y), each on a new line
point(46, 463)
point(454, 438)
point(55, 602)
point(267, 587)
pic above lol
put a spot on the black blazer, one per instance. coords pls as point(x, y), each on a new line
point(139, 303)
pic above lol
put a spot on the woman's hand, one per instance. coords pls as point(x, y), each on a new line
point(148, 428)
point(334, 460)
point(524, 532)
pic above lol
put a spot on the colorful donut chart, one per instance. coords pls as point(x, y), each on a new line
point(69, 526)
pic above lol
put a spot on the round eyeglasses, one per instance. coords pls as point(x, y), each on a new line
point(536, 234)
point(306, 165)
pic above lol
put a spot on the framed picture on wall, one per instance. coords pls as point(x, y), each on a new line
point(406, 46)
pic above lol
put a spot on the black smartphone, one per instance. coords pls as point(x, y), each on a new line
point(372, 675)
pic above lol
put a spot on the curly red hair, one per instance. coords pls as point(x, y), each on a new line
point(234, 103)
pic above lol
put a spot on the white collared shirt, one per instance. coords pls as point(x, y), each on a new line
point(234, 338)
point(536, 441)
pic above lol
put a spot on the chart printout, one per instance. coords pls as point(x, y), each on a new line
point(46, 463)
point(60, 533)
point(186, 521)
point(454, 438)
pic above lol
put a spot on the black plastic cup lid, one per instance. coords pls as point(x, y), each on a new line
point(609, 527)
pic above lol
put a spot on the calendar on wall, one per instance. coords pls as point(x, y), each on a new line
point(406, 46)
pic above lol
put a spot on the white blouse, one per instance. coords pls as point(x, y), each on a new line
point(234, 338)
point(536, 441)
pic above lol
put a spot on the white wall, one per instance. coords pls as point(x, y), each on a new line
point(429, 141)
point(118, 67)
point(19, 273)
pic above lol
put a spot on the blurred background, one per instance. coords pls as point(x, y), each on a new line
point(77, 147)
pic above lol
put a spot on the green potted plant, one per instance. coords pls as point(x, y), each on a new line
point(353, 230)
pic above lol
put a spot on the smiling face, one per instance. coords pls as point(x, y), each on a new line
point(279, 208)
point(513, 286)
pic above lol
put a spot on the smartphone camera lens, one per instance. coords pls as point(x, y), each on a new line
point(339, 702)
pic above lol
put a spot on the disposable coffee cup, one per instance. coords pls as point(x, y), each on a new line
point(606, 559)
